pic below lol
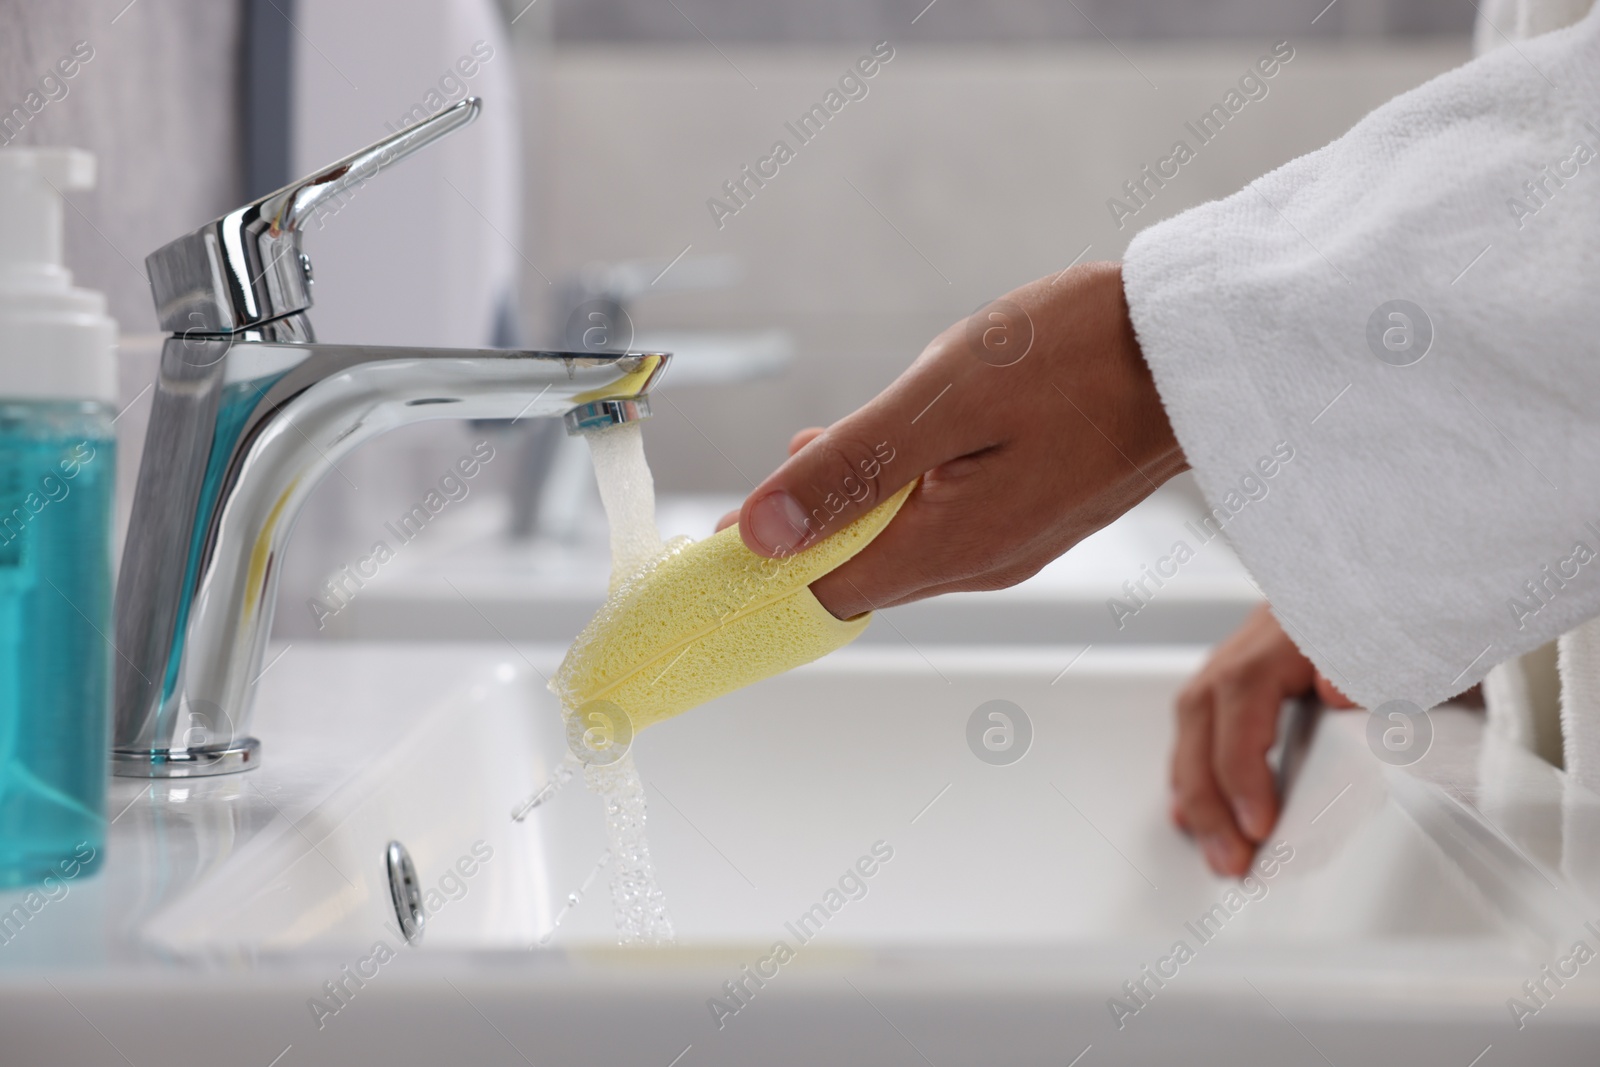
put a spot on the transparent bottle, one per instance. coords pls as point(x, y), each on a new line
point(57, 471)
point(57, 480)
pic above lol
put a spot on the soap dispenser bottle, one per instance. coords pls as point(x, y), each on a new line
point(57, 477)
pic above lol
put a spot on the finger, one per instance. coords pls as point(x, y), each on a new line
point(1246, 724)
point(865, 457)
point(796, 443)
point(1329, 694)
point(803, 438)
point(1200, 804)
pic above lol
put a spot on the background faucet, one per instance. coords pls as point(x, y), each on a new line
point(249, 414)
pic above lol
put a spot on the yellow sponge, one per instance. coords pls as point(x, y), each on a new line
point(711, 617)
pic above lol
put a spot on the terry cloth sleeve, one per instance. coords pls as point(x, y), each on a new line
point(1441, 509)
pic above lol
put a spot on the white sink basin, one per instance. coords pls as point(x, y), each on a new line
point(762, 793)
point(1016, 902)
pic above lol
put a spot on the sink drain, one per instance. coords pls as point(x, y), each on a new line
point(405, 891)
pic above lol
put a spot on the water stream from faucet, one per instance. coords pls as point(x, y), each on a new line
point(628, 493)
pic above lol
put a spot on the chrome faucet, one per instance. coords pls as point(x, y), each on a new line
point(250, 413)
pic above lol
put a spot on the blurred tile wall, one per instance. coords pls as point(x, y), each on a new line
point(157, 102)
point(963, 172)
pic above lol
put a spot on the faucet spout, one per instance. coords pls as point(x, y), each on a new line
point(242, 429)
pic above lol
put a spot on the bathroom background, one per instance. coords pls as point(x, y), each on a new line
point(981, 155)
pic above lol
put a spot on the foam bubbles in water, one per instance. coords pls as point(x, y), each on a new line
point(628, 491)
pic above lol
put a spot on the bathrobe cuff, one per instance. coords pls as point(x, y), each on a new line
point(1383, 362)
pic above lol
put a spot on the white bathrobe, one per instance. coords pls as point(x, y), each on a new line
point(1441, 514)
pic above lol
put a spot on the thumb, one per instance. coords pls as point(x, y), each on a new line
point(912, 427)
point(796, 443)
point(819, 491)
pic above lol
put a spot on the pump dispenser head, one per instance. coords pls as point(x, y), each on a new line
point(56, 342)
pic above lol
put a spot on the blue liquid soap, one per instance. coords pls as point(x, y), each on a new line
point(57, 476)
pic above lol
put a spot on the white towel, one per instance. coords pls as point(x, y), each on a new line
point(1580, 703)
point(1427, 500)
point(1525, 700)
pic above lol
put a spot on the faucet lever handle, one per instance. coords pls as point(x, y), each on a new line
point(246, 268)
point(291, 207)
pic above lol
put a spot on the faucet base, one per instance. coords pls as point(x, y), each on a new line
point(243, 755)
